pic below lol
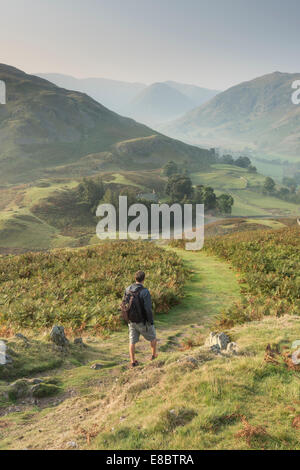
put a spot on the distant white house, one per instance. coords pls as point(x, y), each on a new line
point(2, 92)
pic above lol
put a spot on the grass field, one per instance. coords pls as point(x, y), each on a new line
point(19, 227)
point(22, 229)
point(245, 188)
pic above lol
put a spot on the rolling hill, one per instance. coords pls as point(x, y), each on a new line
point(151, 104)
point(257, 114)
point(113, 94)
point(158, 103)
point(197, 95)
point(44, 127)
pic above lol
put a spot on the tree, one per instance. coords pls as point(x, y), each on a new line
point(252, 169)
point(199, 194)
point(289, 182)
point(90, 192)
point(205, 195)
point(111, 197)
point(170, 169)
point(225, 203)
point(179, 187)
point(269, 185)
point(243, 162)
point(283, 192)
point(209, 198)
point(227, 159)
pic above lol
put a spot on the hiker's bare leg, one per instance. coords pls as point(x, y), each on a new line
point(153, 347)
point(132, 353)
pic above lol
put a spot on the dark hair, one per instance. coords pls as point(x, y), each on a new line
point(139, 276)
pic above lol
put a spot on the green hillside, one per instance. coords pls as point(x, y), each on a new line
point(257, 115)
point(246, 189)
point(46, 130)
point(45, 215)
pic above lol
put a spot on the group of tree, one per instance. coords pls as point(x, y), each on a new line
point(89, 193)
point(172, 168)
point(180, 190)
point(191, 163)
point(288, 192)
point(242, 162)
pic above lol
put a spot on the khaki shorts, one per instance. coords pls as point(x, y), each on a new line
point(137, 329)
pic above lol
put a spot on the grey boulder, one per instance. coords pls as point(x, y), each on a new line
point(217, 339)
point(58, 336)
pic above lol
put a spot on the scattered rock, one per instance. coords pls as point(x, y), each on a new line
point(79, 342)
point(97, 366)
point(217, 339)
point(18, 389)
point(215, 348)
point(296, 344)
point(296, 357)
point(72, 445)
point(58, 337)
point(232, 348)
point(2, 353)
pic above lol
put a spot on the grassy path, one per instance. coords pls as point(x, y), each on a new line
point(212, 287)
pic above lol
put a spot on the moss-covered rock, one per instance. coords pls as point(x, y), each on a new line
point(44, 390)
point(19, 389)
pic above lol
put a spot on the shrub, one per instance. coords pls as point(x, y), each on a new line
point(83, 288)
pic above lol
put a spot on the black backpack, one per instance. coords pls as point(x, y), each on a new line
point(132, 308)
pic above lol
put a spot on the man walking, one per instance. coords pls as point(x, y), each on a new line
point(137, 308)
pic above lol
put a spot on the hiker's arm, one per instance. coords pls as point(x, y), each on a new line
point(148, 305)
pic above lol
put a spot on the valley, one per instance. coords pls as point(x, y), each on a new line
point(62, 153)
point(256, 115)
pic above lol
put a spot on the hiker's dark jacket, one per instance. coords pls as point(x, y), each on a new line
point(145, 299)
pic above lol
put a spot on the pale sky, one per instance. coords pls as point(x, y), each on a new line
point(211, 43)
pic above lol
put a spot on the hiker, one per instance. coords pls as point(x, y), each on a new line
point(137, 312)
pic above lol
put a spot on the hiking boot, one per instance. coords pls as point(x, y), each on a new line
point(134, 364)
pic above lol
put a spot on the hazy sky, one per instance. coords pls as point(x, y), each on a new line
point(212, 43)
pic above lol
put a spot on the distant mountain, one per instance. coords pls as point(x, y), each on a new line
point(46, 130)
point(157, 103)
point(152, 104)
point(257, 114)
point(113, 94)
point(196, 94)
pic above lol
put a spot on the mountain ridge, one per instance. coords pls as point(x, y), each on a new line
point(257, 114)
point(120, 96)
point(43, 126)
point(158, 102)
